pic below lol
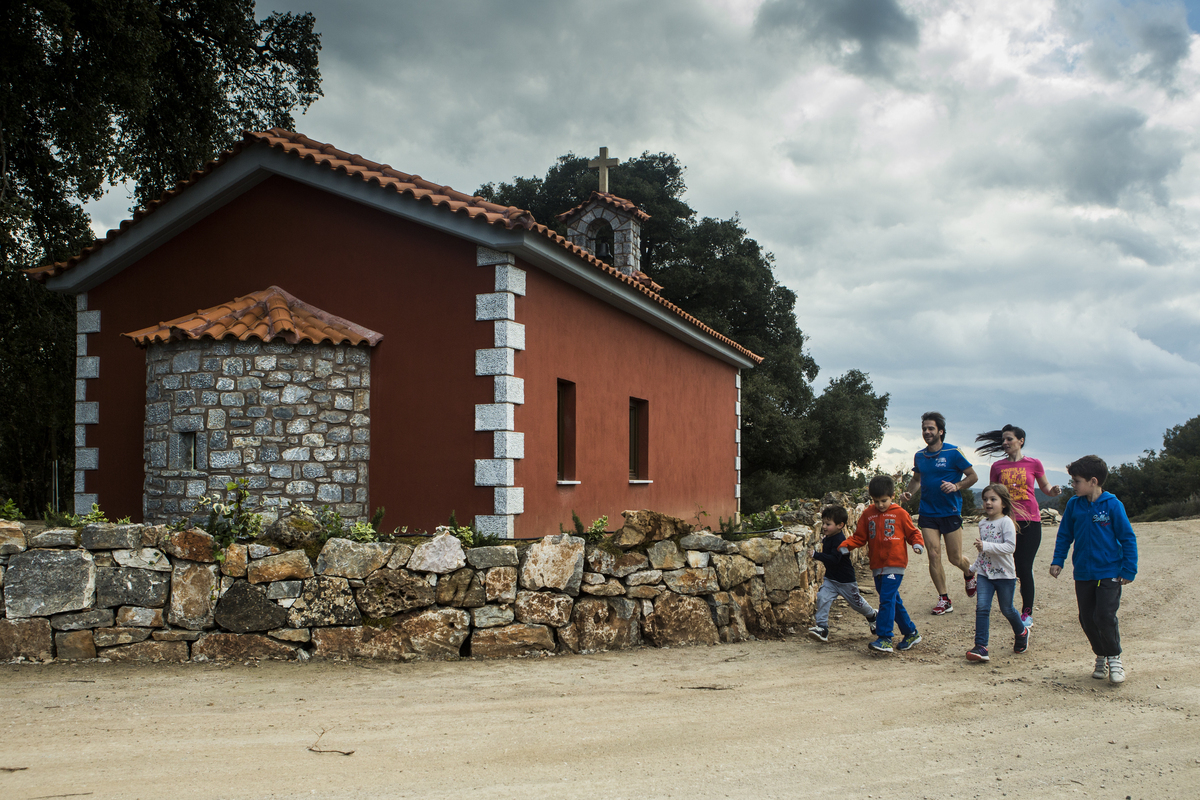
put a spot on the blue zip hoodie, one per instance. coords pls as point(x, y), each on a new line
point(1105, 546)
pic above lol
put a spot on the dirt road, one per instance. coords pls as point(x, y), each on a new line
point(793, 718)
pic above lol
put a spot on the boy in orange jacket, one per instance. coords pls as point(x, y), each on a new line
point(886, 529)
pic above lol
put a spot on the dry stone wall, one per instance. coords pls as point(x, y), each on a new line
point(149, 593)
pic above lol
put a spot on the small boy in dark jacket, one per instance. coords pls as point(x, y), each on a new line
point(839, 574)
point(1104, 557)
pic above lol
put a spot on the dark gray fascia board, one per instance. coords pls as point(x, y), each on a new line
point(257, 163)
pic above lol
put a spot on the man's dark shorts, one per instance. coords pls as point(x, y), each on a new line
point(942, 525)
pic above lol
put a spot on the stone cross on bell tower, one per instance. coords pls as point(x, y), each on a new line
point(603, 162)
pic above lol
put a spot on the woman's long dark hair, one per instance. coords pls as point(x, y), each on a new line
point(994, 440)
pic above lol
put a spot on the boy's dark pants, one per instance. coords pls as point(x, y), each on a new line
point(1098, 604)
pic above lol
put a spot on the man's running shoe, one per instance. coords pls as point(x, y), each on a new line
point(943, 606)
point(1101, 670)
point(908, 641)
point(978, 653)
point(871, 622)
point(881, 645)
point(1022, 642)
point(972, 584)
point(819, 633)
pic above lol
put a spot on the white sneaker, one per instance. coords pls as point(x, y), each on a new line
point(1116, 672)
point(1101, 670)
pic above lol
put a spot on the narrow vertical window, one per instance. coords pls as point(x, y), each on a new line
point(639, 439)
point(188, 446)
point(566, 431)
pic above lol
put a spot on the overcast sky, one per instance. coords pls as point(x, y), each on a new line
point(992, 207)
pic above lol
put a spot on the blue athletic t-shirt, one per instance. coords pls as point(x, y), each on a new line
point(947, 464)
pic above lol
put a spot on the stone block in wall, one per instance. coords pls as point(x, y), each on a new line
point(112, 637)
point(510, 641)
point(324, 601)
point(239, 647)
point(500, 585)
point(461, 589)
point(291, 634)
point(756, 609)
point(602, 562)
point(192, 545)
point(41, 583)
point(193, 595)
point(386, 644)
point(488, 557)
point(244, 608)
point(732, 570)
point(147, 652)
point(759, 550)
point(149, 558)
point(796, 609)
point(666, 555)
point(136, 617)
point(55, 538)
point(646, 577)
point(611, 623)
point(292, 565)
point(83, 620)
point(781, 573)
point(400, 555)
point(554, 562)
point(176, 635)
point(692, 581)
point(122, 586)
point(699, 559)
point(645, 592)
point(708, 541)
point(646, 527)
point(544, 608)
point(442, 555)
point(74, 645)
point(234, 561)
point(348, 559)
point(491, 616)
point(12, 538)
point(392, 591)
point(436, 632)
point(30, 639)
point(606, 588)
point(679, 620)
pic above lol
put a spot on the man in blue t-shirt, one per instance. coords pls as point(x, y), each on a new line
point(942, 471)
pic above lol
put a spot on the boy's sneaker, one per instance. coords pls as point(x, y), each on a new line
point(881, 645)
point(972, 585)
point(943, 606)
point(908, 641)
point(1116, 672)
point(871, 622)
point(1101, 670)
point(819, 633)
point(1022, 642)
point(978, 653)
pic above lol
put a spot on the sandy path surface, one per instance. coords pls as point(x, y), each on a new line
point(793, 718)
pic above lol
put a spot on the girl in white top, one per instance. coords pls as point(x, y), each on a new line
point(996, 570)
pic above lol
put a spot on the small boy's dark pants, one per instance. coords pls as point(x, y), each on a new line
point(1098, 604)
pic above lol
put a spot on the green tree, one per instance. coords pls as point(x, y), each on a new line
point(792, 440)
point(96, 94)
point(1171, 475)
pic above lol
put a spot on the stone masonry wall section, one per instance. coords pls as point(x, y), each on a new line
point(293, 419)
point(149, 593)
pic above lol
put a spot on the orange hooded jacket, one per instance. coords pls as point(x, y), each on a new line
point(886, 534)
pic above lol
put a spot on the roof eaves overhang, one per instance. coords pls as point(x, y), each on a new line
point(256, 164)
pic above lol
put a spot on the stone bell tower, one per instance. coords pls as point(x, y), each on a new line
point(608, 226)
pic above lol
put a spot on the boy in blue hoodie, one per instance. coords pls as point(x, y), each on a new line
point(1104, 560)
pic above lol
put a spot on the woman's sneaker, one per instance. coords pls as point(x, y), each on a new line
point(1022, 642)
point(881, 645)
point(978, 653)
point(1116, 671)
point(943, 606)
point(819, 633)
point(1027, 617)
point(972, 584)
point(1101, 670)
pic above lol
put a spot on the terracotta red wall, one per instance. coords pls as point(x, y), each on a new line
point(414, 285)
point(611, 356)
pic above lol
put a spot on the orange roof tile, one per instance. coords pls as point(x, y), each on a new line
point(608, 199)
point(414, 186)
point(267, 315)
